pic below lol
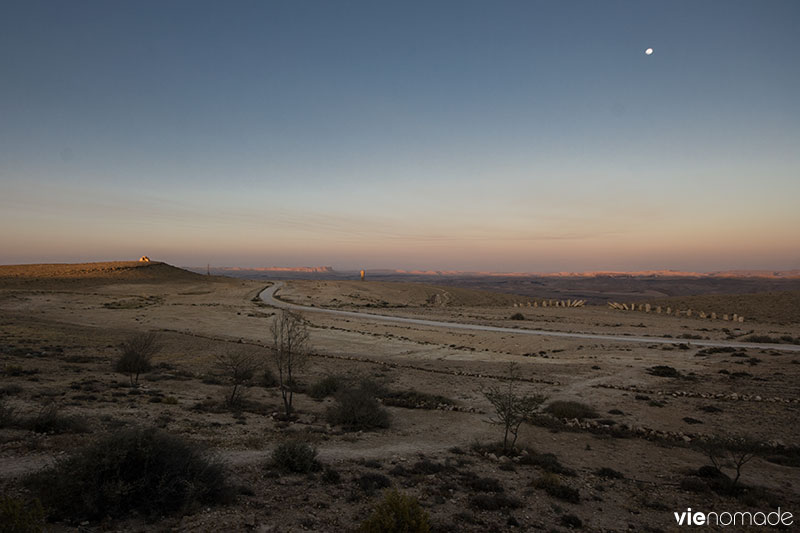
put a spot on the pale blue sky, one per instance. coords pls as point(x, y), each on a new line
point(456, 135)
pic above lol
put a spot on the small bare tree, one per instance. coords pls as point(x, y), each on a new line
point(511, 408)
point(239, 369)
point(730, 450)
point(137, 353)
point(289, 352)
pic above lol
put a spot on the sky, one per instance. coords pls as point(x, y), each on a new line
point(525, 136)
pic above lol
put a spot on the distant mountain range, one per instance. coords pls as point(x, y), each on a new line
point(327, 271)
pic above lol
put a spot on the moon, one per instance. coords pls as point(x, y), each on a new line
point(649, 51)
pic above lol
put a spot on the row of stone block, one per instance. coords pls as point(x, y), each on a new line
point(552, 303)
point(647, 308)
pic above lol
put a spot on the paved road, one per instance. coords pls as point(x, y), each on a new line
point(268, 296)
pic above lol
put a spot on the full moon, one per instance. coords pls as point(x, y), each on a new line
point(649, 51)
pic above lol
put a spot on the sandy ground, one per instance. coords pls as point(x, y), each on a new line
point(61, 339)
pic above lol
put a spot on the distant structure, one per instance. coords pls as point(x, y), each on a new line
point(144, 259)
point(363, 274)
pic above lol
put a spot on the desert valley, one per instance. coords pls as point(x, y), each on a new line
point(620, 433)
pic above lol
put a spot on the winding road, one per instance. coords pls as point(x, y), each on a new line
point(268, 297)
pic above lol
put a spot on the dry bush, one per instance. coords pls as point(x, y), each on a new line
point(289, 352)
point(238, 370)
point(137, 354)
point(327, 386)
point(731, 451)
point(511, 408)
point(568, 409)
point(357, 408)
point(146, 471)
point(555, 488)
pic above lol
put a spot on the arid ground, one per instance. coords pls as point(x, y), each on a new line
point(624, 457)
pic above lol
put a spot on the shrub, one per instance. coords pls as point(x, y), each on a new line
point(268, 379)
point(553, 486)
point(238, 368)
point(427, 467)
point(761, 339)
point(296, 457)
point(356, 408)
point(511, 408)
point(8, 417)
point(137, 354)
point(694, 484)
point(572, 521)
point(734, 450)
point(331, 476)
point(289, 352)
point(609, 473)
point(547, 462)
point(8, 390)
point(484, 484)
point(493, 502)
point(50, 420)
point(517, 316)
point(17, 517)
point(567, 409)
point(412, 399)
point(663, 371)
point(143, 470)
point(372, 481)
point(397, 513)
point(327, 386)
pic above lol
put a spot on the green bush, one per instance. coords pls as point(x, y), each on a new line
point(143, 470)
point(17, 517)
point(295, 456)
point(357, 408)
point(397, 513)
point(565, 409)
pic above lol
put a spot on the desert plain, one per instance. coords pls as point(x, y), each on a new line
point(615, 446)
